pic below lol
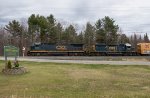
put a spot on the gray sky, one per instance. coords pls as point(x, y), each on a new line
point(130, 15)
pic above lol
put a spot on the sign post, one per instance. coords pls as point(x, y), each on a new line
point(11, 51)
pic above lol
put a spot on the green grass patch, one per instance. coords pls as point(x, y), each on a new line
point(55, 80)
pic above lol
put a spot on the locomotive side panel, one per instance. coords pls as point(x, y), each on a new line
point(76, 50)
point(75, 47)
point(100, 48)
point(112, 48)
point(121, 48)
point(45, 49)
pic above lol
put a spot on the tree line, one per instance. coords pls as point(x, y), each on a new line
point(43, 29)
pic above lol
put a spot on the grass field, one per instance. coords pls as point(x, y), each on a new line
point(51, 80)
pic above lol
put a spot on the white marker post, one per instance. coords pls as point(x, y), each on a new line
point(23, 51)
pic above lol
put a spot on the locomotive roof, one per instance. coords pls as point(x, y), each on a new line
point(127, 44)
point(57, 44)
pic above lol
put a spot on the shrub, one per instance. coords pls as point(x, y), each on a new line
point(9, 66)
point(16, 64)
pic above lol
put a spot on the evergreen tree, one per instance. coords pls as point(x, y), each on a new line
point(80, 38)
point(100, 34)
point(146, 39)
point(16, 30)
point(59, 31)
point(43, 28)
point(52, 29)
point(33, 27)
point(110, 29)
point(89, 37)
point(140, 39)
point(106, 31)
point(124, 39)
point(135, 41)
point(70, 34)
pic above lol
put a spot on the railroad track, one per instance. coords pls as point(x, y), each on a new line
point(89, 60)
point(96, 58)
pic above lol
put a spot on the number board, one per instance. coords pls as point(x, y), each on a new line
point(11, 51)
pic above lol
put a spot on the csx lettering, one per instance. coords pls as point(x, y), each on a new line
point(60, 47)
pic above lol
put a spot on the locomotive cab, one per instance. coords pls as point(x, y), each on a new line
point(128, 47)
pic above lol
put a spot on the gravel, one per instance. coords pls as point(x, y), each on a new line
point(89, 60)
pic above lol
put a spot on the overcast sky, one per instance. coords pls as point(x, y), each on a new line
point(130, 15)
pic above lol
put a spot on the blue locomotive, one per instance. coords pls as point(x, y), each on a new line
point(113, 50)
point(45, 49)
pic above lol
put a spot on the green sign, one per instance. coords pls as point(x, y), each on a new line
point(11, 51)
